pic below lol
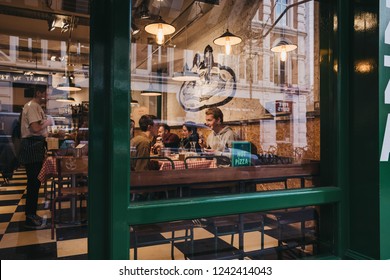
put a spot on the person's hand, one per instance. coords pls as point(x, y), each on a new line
point(201, 141)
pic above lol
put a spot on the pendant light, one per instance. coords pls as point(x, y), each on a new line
point(186, 75)
point(283, 48)
point(228, 40)
point(134, 103)
point(160, 28)
point(69, 84)
point(150, 91)
point(66, 100)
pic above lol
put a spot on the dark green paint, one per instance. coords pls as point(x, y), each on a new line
point(347, 138)
point(384, 110)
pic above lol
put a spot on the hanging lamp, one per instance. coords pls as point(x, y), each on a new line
point(68, 85)
point(134, 102)
point(160, 28)
point(66, 100)
point(150, 91)
point(283, 48)
point(228, 40)
point(186, 75)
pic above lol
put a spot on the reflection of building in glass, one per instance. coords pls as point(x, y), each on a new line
point(252, 83)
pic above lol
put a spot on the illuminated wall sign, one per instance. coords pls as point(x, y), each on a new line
point(23, 79)
point(241, 153)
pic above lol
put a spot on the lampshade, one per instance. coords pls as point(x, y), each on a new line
point(284, 46)
point(150, 91)
point(66, 100)
point(134, 102)
point(186, 75)
point(68, 85)
point(159, 28)
point(227, 39)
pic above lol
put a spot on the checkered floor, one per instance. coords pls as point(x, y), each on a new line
point(16, 242)
point(70, 242)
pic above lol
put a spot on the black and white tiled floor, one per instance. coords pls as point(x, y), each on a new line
point(70, 241)
point(16, 242)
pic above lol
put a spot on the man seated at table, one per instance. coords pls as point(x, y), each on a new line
point(166, 139)
point(141, 144)
point(221, 137)
point(170, 140)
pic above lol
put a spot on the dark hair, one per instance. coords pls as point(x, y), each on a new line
point(166, 127)
point(145, 121)
point(38, 88)
point(191, 126)
point(216, 112)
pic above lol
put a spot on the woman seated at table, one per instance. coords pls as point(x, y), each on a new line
point(190, 134)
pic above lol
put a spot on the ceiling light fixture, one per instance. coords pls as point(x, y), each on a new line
point(66, 100)
point(68, 85)
point(150, 91)
point(134, 103)
point(186, 75)
point(228, 40)
point(160, 28)
point(283, 48)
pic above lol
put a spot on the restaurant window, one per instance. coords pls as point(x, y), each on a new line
point(267, 102)
point(44, 50)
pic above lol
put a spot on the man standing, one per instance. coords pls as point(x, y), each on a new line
point(141, 144)
point(32, 151)
point(221, 136)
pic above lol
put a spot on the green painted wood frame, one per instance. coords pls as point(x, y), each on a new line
point(110, 211)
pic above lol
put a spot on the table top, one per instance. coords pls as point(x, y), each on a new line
point(49, 167)
point(179, 164)
point(218, 175)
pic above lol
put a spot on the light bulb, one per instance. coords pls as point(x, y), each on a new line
point(228, 46)
point(160, 34)
point(283, 54)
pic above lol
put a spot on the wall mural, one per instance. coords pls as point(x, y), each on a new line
point(216, 87)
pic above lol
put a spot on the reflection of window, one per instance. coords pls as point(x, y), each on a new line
point(280, 71)
point(280, 6)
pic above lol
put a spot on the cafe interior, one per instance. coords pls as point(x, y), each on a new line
point(257, 195)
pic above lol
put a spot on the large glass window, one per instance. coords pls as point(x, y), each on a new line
point(260, 80)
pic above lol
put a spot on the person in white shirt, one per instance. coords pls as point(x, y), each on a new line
point(34, 125)
point(221, 137)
